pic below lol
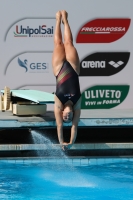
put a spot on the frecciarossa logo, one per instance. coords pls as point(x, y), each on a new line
point(103, 30)
point(103, 63)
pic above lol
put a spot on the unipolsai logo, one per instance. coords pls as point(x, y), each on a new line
point(103, 63)
point(40, 31)
point(103, 30)
point(104, 96)
point(31, 28)
point(33, 67)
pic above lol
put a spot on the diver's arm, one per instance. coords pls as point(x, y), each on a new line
point(59, 123)
point(74, 127)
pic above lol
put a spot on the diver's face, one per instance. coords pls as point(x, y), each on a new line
point(67, 116)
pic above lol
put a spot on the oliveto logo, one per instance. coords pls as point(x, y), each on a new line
point(103, 63)
point(103, 30)
point(104, 96)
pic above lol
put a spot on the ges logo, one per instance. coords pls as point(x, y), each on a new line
point(33, 67)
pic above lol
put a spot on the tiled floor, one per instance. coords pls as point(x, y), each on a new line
point(80, 146)
point(70, 161)
point(104, 117)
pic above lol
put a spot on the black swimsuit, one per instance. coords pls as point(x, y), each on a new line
point(67, 84)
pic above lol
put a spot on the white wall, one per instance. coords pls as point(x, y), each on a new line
point(39, 49)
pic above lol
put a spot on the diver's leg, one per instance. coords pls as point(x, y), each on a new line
point(58, 56)
point(70, 50)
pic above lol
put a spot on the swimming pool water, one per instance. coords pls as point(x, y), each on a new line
point(66, 179)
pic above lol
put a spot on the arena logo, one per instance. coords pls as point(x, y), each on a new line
point(103, 30)
point(43, 30)
point(103, 63)
point(104, 96)
point(33, 67)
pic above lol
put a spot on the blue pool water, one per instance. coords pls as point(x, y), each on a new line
point(66, 179)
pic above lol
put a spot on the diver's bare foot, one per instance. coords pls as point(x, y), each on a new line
point(58, 15)
point(64, 16)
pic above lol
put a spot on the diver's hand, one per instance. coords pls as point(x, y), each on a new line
point(66, 146)
point(69, 145)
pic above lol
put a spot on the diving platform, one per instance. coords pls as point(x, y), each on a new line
point(28, 109)
point(88, 118)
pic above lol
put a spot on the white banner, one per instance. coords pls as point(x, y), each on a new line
point(102, 34)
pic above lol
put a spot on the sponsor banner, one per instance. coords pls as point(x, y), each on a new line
point(103, 30)
point(31, 29)
point(104, 96)
point(30, 63)
point(103, 63)
point(34, 67)
point(30, 68)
